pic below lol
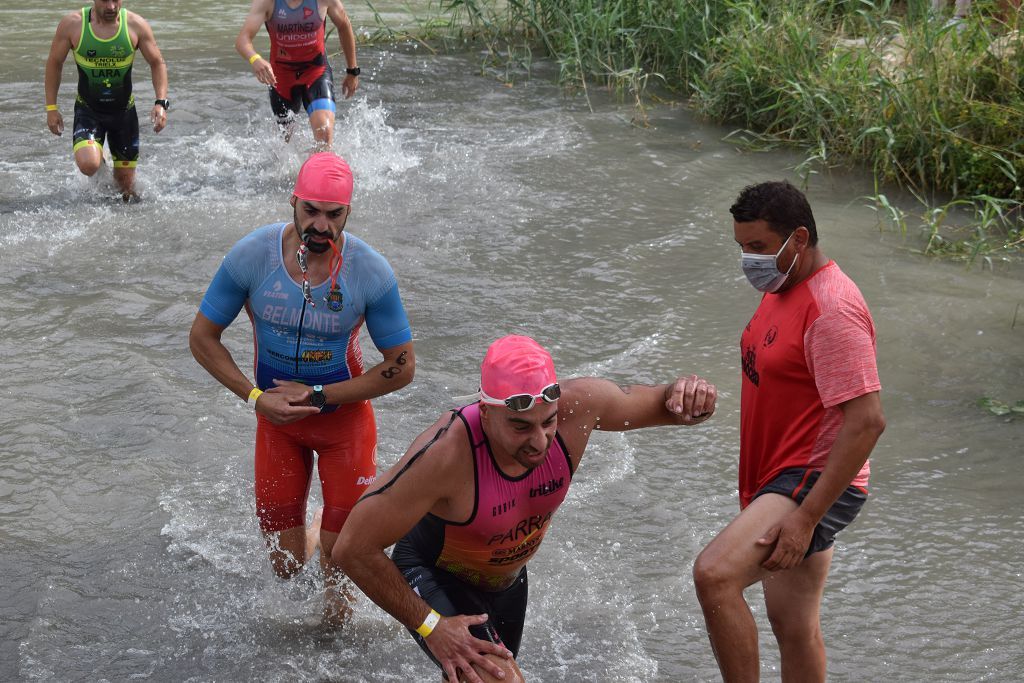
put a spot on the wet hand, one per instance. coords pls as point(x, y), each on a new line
point(287, 402)
point(349, 85)
point(264, 72)
point(459, 651)
point(159, 117)
point(791, 538)
point(55, 122)
point(692, 399)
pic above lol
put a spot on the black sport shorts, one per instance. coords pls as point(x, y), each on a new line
point(318, 94)
point(797, 482)
point(120, 129)
point(450, 596)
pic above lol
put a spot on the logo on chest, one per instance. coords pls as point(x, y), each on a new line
point(749, 363)
point(548, 487)
point(335, 300)
point(502, 508)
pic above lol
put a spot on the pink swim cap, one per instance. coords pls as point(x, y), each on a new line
point(325, 177)
point(516, 365)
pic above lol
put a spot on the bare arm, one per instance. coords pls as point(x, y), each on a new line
point(863, 424)
point(590, 403)
point(59, 49)
point(424, 480)
point(395, 371)
point(147, 46)
point(258, 14)
point(204, 340)
point(347, 36)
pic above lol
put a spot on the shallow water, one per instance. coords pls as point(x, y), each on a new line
point(128, 540)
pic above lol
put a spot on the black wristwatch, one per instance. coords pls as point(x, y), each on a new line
point(317, 399)
point(166, 104)
point(353, 71)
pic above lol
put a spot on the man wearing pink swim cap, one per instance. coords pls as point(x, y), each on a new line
point(469, 503)
point(308, 286)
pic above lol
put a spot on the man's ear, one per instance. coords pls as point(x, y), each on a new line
point(802, 236)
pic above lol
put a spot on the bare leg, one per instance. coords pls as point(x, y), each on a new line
point(338, 593)
point(125, 179)
point(287, 551)
point(89, 157)
point(322, 123)
point(509, 666)
point(313, 533)
point(793, 600)
point(723, 570)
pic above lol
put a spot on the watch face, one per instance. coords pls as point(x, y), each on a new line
point(317, 399)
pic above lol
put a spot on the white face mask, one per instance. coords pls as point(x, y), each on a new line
point(762, 270)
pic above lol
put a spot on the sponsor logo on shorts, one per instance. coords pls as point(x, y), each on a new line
point(365, 481)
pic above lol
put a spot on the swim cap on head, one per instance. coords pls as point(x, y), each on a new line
point(516, 365)
point(325, 177)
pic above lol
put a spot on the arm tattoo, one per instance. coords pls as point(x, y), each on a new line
point(392, 371)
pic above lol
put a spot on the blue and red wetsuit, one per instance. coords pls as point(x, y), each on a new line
point(320, 345)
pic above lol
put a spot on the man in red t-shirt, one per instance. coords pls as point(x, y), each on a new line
point(298, 72)
point(810, 415)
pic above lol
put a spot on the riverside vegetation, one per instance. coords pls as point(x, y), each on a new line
point(932, 107)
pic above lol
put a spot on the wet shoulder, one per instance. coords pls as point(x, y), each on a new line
point(367, 269)
point(70, 26)
point(256, 255)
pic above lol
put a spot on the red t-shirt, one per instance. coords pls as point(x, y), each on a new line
point(805, 351)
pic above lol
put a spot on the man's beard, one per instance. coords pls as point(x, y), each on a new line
point(307, 236)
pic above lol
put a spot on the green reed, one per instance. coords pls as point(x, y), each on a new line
point(932, 108)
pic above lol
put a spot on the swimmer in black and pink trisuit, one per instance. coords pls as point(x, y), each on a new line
point(298, 72)
point(470, 502)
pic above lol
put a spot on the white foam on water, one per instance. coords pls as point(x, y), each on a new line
point(378, 153)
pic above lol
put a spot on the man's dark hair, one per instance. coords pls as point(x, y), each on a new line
point(783, 207)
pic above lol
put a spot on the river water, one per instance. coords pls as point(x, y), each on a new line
point(128, 542)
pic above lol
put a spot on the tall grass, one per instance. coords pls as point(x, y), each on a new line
point(934, 108)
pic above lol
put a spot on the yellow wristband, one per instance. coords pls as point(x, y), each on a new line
point(253, 395)
point(255, 57)
point(427, 627)
point(51, 107)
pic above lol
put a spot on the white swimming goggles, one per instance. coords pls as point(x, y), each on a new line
point(521, 402)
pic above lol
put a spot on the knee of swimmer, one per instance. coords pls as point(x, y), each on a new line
point(708, 575)
point(87, 165)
